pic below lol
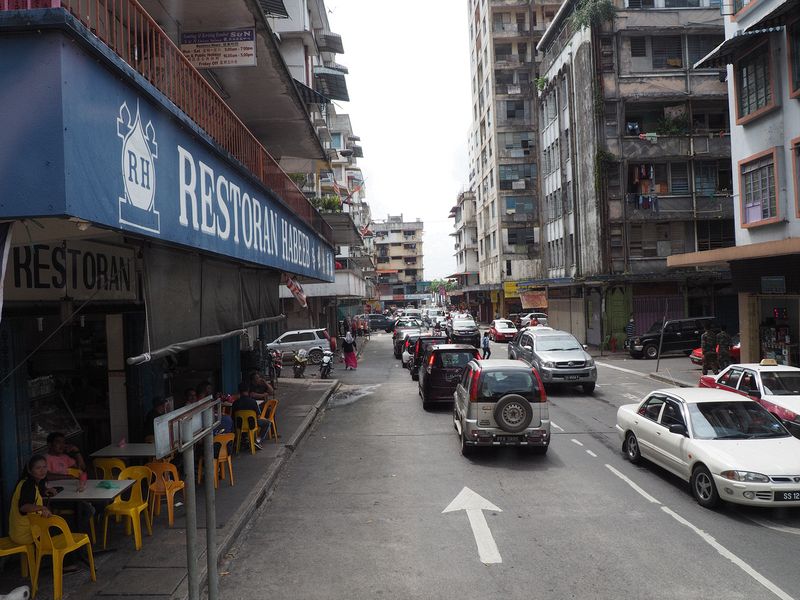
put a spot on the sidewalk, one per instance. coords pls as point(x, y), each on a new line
point(158, 571)
point(674, 370)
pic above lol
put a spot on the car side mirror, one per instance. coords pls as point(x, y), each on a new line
point(678, 429)
point(755, 393)
point(585, 347)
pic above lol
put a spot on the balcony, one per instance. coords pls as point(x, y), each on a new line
point(131, 33)
point(519, 218)
point(670, 208)
point(514, 89)
point(511, 60)
point(510, 30)
point(669, 146)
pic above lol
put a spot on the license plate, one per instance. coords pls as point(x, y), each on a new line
point(508, 439)
point(787, 496)
point(571, 377)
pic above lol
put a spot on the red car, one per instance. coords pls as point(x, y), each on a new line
point(697, 354)
point(502, 330)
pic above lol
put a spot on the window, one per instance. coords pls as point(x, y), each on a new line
point(681, 3)
point(652, 408)
point(502, 51)
point(701, 45)
point(667, 52)
point(679, 174)
point(757, 189)
point(716, 233)
point(672, 414)
point(793, 39)
point(731, 378)
point(638, 47)
point(336, 140)
point(711, 177)
point(753, 83)
point(796, 169)
point(515, 109)
point(641, 3)
point(508, 268)
point(307, 336)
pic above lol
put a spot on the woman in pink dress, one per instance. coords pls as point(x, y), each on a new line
point(349, 350)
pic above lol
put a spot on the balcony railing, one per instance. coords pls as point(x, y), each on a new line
point(127, 29)
point(640, 207)
point(658, 146)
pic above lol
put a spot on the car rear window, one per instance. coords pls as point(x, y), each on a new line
point(454, 358)
point(496, 384)
point(464, 323)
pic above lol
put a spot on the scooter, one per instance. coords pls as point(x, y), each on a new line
point(299, 364)
point(326, 364)
point(20, 593)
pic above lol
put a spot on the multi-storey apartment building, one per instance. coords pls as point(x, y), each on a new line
point(399, 258)
point(465, 237)
point(504, 165)
point(635, 164)
point(761, 59)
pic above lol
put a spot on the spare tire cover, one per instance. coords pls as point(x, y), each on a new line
point(513, 413)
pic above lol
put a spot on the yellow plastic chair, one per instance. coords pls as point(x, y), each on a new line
point(268, 413)
point(108, 468)
point(222, 459)
point(167, 483)
point(246, 422)
point(56, 546)
point(74, 472)
point(27, 558)
point(132, 508)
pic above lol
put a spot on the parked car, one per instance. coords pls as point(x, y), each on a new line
point(403, 322)
point(441, 372)
point(727, 447)
point(407, 346)
point(378, 321)
point(421, 349)
point(430, 315)
point(736, 352)
point(313, 341)
point(680, 335)
point(557, 356)
point(464, 331)
point(525, 320)
point(776, 387)
point(502, 330)
point(501, 403)
point(400, 339)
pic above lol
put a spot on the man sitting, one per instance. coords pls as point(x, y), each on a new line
point(260, 389)
point(247, 402)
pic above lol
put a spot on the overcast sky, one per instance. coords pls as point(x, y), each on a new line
point(410, 100)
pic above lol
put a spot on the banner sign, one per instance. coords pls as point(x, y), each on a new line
point(212, 49)
point(510, 289)
point(534, 299)
point(117, 158)
point(297, 291)
point(78, 270)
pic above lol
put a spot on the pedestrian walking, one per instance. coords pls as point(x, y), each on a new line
point(724, 343)
point(708, 345)
point(349, 350)
point(630, 331)
point(487, 349)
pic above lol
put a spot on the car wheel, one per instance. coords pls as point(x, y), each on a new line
point(703, 488)
point(414, 376)
point(513, 413)
point(465, 449)
point(588, 388)
point(315, 357)
point(632, 448)
point(455, 418)
point(650, 351)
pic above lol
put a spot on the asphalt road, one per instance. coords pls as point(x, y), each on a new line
point(358, 512)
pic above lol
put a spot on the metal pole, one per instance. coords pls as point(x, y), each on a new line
point(661, 339)
point(191, 512)
point(211, 509)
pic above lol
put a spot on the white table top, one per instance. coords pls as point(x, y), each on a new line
point(128, 450)
point(92, 492)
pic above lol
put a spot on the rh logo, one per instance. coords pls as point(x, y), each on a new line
point(139, 152)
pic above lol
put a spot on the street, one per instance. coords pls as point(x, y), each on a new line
point(358, 512)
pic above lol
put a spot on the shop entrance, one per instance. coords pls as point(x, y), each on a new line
point(779, 329)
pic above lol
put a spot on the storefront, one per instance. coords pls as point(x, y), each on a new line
point(142, 258)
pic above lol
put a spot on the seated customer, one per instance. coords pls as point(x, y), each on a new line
point(247, 402)
point(189, 396)
point(62, 456)
point(159, 408)
point(260, 389)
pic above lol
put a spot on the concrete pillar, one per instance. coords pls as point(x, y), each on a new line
point(117, 388)
point(231, 364)
point(748, 328)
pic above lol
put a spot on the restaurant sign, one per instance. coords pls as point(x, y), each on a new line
point(71, 269)
point(213, 49)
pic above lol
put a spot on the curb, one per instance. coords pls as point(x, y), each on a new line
point(670, 380)
point(229, 536)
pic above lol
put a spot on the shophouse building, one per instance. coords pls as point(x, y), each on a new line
point(635, 165)
point(399, 260)
point(504, 171)
point(150, 224)
point(760, 58)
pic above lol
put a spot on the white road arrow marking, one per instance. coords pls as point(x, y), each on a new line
point(475, 504)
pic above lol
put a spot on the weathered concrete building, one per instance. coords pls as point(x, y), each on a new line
point(398, 253)
point(465, 236)
point(635, 164)
point(504, 169)
point(761, 58)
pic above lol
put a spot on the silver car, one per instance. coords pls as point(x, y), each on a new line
point(313, 341)
point(501, 403)
point(557, 355)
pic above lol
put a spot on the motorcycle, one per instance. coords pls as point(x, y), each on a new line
point(276, 364)
point(326, 364)
point(299, 364)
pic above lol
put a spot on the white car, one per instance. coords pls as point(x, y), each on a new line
point(525, 320)
point(727, 447)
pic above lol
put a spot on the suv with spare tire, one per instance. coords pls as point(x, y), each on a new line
point(501, 403)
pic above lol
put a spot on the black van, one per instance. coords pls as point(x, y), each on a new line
point(680, 335)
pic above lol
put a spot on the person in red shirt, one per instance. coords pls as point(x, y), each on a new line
point(62, 456)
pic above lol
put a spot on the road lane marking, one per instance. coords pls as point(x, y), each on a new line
point(772, 525)
point(623, 369)
point(723, 551)
point(574, 441)
point(557, 426)
point(592, 454)
point(630, 396)
point(644, 494)
point(474, 505)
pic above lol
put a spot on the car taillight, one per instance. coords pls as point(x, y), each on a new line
point(431, 360)
point(473, 389)
point(407, 344)
point(542, 393)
